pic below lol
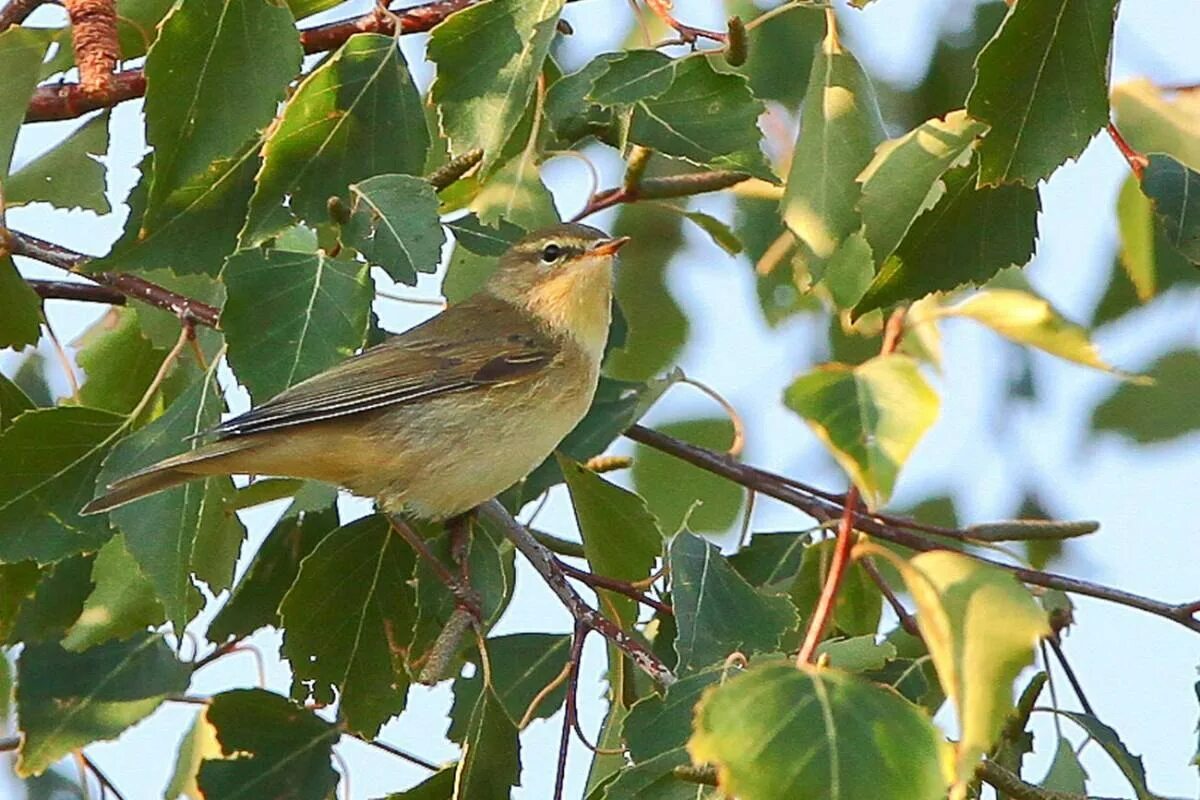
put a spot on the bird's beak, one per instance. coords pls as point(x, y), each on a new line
point(608, 247)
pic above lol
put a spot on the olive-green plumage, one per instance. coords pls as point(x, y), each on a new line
point(445, 415)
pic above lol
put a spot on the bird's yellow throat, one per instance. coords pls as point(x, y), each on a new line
point(577, 302)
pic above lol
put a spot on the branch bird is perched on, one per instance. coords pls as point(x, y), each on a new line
point(442, 417)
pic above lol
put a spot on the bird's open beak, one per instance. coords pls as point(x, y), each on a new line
point(609, 247)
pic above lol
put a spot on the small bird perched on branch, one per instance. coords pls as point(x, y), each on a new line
point(446, 415)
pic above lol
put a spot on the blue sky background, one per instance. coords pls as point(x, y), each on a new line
point(1138, 670)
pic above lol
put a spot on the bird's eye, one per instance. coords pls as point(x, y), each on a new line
point(551, 253)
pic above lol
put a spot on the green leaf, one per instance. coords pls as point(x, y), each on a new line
point(56, 603)
point(119, 362)
point(122, 603)
point(1042, 85)
point(199, 743)
point(137, 24)
point(514, 193)
point(256, 597)
point(903, 178)
point(346, 620)
point(163, 531)
point(839, 130)
point(716, 610)
point(1158, 411)
point(485, 240)
point(13, 402)
point(569, 115)
point(621, 538)
point(68, 175)
point(20, 325)
point(857, 654)
point(615, 406)
point(654, 780)
point(438, 786)
point(488, 58)
point(196, 231)
point(49, 459)
point(21, 52)
point(356, 115)
point(657, 325)
point(1153, 122)
point(68, 700)
point(967, 237)
point(317, 316)
point(272, 748)
point(721, 234)
point(980, 626)
point(1066, 774)
point(394, 224)
point(491, 760)
point(771, 561)
point(17, 584)
point(1135, 223)
point(859, 605)
point(1030, 320)
point(605, 767)
point(724, 136)
point(632, 76)
point(193, 69)
point(680, 493)
point(849, 271)
point(522, 664)
point(1170, 185)
point(778, 731)
point(870, 417)
point(306, 8)
point(1130, 765)
point(774, 70)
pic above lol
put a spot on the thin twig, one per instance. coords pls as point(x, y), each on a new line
point(1076, 686)
point(105, 784)
point(1136, 161)
point(907, 621)
point(464, 595)
point(833, 582)
point(395, 751)
point(569, 710)
point(688, 34)
point(614, 585)
point(550, 568)
point(16, 11)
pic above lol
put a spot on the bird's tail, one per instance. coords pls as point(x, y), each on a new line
point(211, 459)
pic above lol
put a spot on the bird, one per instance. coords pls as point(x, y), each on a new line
point(444, 416)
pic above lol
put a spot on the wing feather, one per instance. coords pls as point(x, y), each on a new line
point(479, 343)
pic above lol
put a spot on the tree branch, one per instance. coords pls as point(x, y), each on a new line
point(1136, 161)
point(70, 100)
point(15, 12)
point(551, 571)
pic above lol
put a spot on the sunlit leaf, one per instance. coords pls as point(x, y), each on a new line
point(199, 743)
point(356, 115)
point(1153, 121)
point(778, 731)
point(67, 700)
point(485, 80)
point(346, 621)
point(870, 417)
point(1042, 85)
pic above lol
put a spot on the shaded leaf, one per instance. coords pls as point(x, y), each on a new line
point(137, 24)
point(438, 786)
point(119, 362)
point(67, 175)
point(56, 603)
point(859, 605)
point(356, 115)
point(968, 236)
point(13, 402)
point(122, 603)
point(778, 731)
point(485, 240)
point(678, 492)
point(491, 760)
point(774, 71)
point(1042, 85)
point(346, 621)
point(49, 459)
point(20, 325)
point(980, 626)
point(632, 76)
point(194, 67)
point(1066, 774)
point(721, 234)
point(316, 317)
point(522, 664)
point(1170, 185)
point(17, 584)
point(870, 417)
point(716, 611)
point(68, 700)
point(489, 56)
point(199, 743)
point(394, 224)
point(163, 530)
point(1158, 411)
point(772, 560)
point(255, 600)
point(839, 130)
point(271, 747)
point(21, 52)
point(1130, 765)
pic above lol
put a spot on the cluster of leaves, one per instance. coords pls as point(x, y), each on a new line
point(277, 207)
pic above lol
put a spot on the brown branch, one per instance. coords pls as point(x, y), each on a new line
point(907, 621)
point(105, 784)
point(687, 33)
point(1136, 161)
point(70, 100)
point(94, 36)
point(85, 292)
point(614, 585)
point(570, 711)
point(464, 595)
point(1009, 784)
point(550, 568)
point(1076, 686)
point(15, 12)
point(391, 749)
point(634, 188)
point(777, 486)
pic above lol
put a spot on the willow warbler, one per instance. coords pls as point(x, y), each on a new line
point(445, 416)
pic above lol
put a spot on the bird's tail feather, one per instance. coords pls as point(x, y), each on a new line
point(199, 463)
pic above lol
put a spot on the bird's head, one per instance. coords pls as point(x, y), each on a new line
point(562, 275)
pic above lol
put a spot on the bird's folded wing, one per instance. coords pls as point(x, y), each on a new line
point(477, 344)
